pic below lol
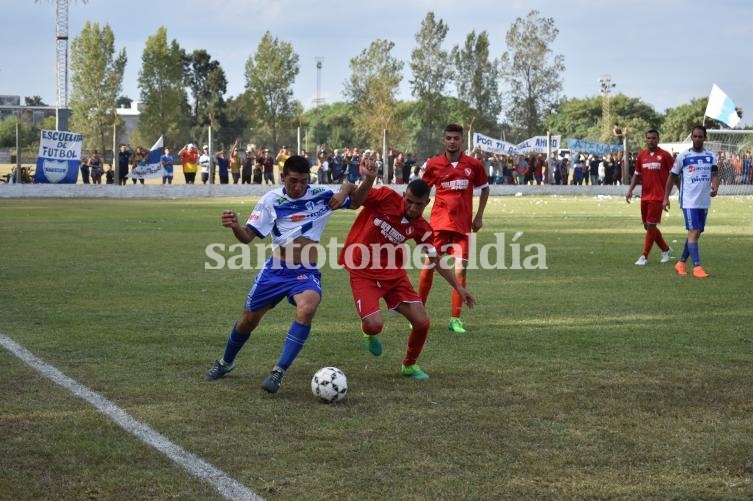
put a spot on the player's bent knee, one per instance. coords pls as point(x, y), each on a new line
point(371, 328)
point(423, 324)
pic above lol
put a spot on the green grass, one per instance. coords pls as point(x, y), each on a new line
point(591, 379)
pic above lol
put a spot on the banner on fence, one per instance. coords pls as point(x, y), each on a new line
point(536, 144)
point(583, 146)
point(151, 166)
point(59, 157)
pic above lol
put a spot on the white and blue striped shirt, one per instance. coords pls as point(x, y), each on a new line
point(694, 169)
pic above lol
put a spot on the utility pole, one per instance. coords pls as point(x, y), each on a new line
point(318, 100)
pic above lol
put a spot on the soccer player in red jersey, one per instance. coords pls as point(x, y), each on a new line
point(454, 175)
point(652, 167)
point(375, 256)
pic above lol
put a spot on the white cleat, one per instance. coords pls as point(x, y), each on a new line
point(642, 261)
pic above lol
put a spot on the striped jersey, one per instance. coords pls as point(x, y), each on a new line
point(288, 218)
point(694, 169)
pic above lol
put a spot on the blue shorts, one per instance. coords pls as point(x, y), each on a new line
point(277, 281)
point(695, 219)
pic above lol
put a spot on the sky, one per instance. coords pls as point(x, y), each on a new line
point(665, 52)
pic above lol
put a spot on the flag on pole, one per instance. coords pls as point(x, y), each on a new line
point(721, 107)
point(151, 166)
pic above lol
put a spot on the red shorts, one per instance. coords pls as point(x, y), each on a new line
point(368, 291)
point(651, 211)
point(452, 243)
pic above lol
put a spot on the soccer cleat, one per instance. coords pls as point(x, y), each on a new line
point(373, 344)
point(680, 268)
point(218, 370)
point(415, 372)
point(699, 272)
point(642, 261)
point(666, 256)
point(272, 382)
point(456, 325)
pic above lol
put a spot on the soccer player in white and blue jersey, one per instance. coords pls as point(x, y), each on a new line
point(295, 214)
point(695, 172)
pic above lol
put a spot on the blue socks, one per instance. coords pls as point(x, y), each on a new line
point(691, 250)
point(234, 344)
point(694, 255)
point(297, 336)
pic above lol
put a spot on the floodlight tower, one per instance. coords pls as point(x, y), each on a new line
point(318, 100)
point(605, 81)
point(61, 62)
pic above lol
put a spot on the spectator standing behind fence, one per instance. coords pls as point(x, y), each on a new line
point(257, 175)
point(138, 156)
point(189, 159)
point(248, 166)
point(268, 169)
point(223, 166)
point(168, 162)
point(95, 164)
point(336, 167)
point(204, 162)
point(110, 175)
point(408, 165)
point(235, 164)
point(85, 169)
point(124, 160)
point(354, 161)
point(696, 174)
point(282, 155)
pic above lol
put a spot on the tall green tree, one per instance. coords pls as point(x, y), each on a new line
point(477, 79)
point(164, 101)
point(372, 89)
point(34, 101)
point(96, 80)
point(270, 75)
point(532, 73)
point(207, 82)
point(430, 65)
point(680, 120)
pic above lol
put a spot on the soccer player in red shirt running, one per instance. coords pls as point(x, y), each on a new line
point(454, 175)
point(375, 256)
point(652, 166)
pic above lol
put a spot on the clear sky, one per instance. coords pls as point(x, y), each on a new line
point(665, 52)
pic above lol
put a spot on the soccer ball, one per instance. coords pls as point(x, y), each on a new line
point(329, 384)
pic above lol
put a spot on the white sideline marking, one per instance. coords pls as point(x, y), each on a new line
point(195, 466)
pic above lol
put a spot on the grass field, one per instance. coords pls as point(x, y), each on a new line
point(591, 379)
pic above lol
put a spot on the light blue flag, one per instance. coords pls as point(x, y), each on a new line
point(721, 107)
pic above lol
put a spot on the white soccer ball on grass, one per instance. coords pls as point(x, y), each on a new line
point(329, 384)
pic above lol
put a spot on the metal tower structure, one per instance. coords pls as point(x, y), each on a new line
point(605, 81)
point(318, 101)
point(61, 62)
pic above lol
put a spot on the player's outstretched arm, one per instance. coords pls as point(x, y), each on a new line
point(449, 275)
point(358, 197)
point(229, 219)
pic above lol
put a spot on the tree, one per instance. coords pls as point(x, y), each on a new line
point(680, 120)
point(533, 75)
point(96, 78)
point(477, 81)
point(330, 125)
point(34, 101)
point(123, 102)
point(430, 65)
point(270, 75)
point(576, 118)
point(374, 83)
point(206, 80)
point(165, 103)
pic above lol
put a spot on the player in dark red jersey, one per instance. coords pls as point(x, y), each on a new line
point(375, 256)
point(454, 175)
point(652, 167)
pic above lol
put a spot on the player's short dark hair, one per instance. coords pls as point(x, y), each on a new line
point(454, 128)
point(701, 127)
point(652, 131)
point(296, 163)
point(419, 188)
